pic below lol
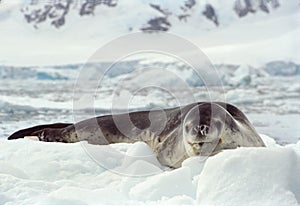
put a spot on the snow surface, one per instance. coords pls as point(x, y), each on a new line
point(33, 172)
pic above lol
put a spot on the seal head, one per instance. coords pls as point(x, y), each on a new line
point(202, 129)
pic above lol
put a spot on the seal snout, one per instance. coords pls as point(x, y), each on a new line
point(201, 131)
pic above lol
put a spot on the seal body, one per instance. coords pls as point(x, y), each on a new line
point(174, 134)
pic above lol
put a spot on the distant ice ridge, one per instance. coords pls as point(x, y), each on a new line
point(235, 75)
point(54, 173)
point(276, 68)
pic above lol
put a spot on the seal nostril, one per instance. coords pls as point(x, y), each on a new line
point(203, 129)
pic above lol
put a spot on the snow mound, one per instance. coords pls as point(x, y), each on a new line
point(254, 176)
point(33, 172)
point(140, 160)
point(167, 185)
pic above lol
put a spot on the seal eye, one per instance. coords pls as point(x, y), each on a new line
point(187, 128)
point(195, 130)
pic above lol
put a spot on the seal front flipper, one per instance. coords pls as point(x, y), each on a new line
point(29, 131)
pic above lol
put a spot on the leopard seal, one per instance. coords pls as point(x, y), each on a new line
point(202, 128)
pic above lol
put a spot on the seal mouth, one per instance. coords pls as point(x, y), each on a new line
point(205, 148)
point(201, 143)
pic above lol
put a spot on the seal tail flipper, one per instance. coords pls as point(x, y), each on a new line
point(29, 131)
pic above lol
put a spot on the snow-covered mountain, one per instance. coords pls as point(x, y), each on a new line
point(162, 13)
point(66, 32)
